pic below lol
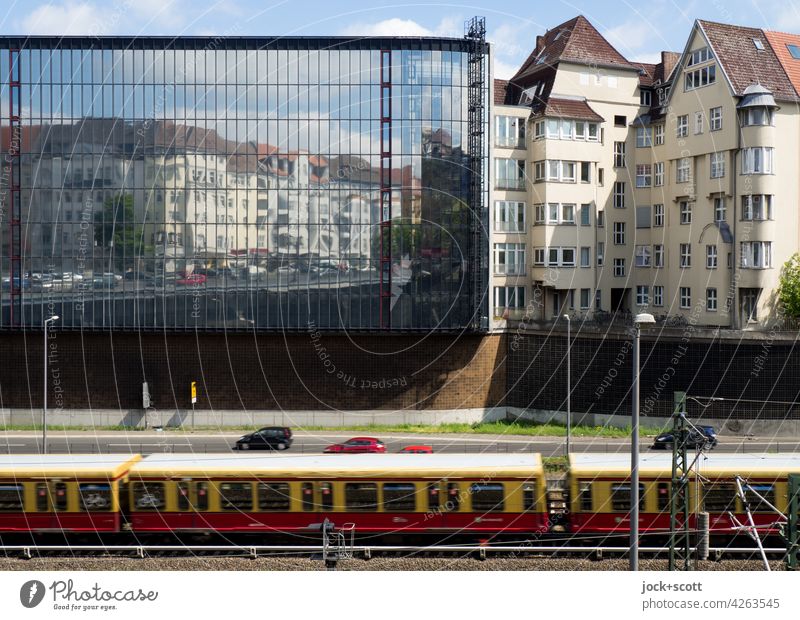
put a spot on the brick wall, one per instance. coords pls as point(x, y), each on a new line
point(313, 371)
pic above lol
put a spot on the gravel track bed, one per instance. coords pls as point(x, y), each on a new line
point(383, 564)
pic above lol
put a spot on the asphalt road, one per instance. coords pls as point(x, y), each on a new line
point(146, 442)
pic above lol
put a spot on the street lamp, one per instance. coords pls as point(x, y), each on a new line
point(638, 321)
point(44, 400)
point(569, 379)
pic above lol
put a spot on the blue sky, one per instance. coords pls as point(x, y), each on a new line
point(639, 30)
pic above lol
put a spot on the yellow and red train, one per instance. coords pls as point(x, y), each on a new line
point(485, 494)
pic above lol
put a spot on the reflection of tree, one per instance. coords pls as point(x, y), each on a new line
point(115, 229)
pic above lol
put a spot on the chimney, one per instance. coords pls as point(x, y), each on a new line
point(539, 42)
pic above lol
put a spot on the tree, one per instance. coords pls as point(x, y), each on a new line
point(115, 229)
point(790, 286)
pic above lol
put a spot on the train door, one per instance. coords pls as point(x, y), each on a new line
point(434, 517)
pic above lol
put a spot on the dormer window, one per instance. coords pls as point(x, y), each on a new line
point(758, 44)
point(794, 50)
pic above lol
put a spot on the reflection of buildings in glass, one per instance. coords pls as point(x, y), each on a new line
point(170, 161)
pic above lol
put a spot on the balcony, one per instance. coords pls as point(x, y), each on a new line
point(509, 227)
point(512, 314)
point(509, 142)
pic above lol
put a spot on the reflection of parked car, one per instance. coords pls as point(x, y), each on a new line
point(24, 284)
point(357, 445)
point(704, 435)
point(135, 275)
point(193, 279)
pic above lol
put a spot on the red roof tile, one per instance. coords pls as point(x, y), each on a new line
point(500, 87)
point(575, 41)
point(568, 108)
point(791, 65)
point(743, 63)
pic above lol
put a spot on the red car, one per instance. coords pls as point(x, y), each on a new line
point(357, 445)
point(193, 279)
point(417, 450)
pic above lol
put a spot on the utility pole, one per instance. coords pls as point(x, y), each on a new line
point(679, 541)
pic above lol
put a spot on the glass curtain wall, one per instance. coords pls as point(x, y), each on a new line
point(233, 184)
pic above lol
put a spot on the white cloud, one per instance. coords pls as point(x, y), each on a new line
point(630, 36)
point(398, 27)
point(788, 19)
point(81, 17)
point(504, 70)
point(66, 18)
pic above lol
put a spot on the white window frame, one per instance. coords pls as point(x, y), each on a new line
point(683, 170)
point(658, 255)
point(658, 174)
point(658, 215)
point(644, 137)
point(700, 78)
point(618, 195)
point(720, 209)
point(685, 207)
point(644, 175)
point(712, 258)
point(715, 118)
point(658, 295)
point(711, 299)
point(750, 210)
point(507, 215)
point(585, 253)
point(619, 233)
point(642, 295)
point(685, 253)
point(758, 160)
point(560, 254)
point(682, 126)
point(685, 297)
point(659, 132)
point(718, 165)
point(619, 155)
point(619, 267)
point(756, 254)
point(601, 251)
point(642, 256)
point(698, 123)
point(513, 263)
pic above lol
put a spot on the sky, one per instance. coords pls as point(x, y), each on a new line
point(639, 30)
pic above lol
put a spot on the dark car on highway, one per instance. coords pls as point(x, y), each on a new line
point(698, 437)
point(267, 438)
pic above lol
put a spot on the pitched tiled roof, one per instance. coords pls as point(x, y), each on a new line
point(557, 107)
point(791, 65)
point(575, 41)
point(743, 63)
point(500, 87)
point(647, 71)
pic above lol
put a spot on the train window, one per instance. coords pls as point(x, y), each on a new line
point(61, 496)
point(326, 493)
point(148, 495)
point(11, 497)
point(273, 496)
point(361, 496)
point(184, 501)
point(307, 496)
point(433, 496)
point(487, 497)
point(41, 497)
point(719, 497)
point(529, 496)
point(399, 496)
point(756, 503)
point(453, 497)
point(585, 496)
point(236, 496)
point(201, 489)
point(621, 497)
point(662, 489)
point(94, 497)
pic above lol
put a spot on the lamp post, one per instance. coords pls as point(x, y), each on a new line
point(569, 379)
point(638, 321)
point(44, 399)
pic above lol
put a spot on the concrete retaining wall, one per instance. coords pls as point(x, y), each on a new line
point(135, 418)
point(764, 429)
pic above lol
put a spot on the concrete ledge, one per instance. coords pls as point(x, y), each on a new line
point(135, 418)
point(739, 428)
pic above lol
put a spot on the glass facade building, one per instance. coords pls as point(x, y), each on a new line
point(236, 183)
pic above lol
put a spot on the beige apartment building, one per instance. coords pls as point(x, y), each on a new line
point(623, 187)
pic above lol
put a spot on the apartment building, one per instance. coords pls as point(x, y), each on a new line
point(629, 187)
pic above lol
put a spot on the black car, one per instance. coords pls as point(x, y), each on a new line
point(267, 438)
point(703, 435)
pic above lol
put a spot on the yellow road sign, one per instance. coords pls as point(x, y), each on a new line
point(194, 392)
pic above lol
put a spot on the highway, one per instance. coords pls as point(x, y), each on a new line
point(309, 442)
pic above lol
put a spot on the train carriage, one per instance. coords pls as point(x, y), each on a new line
point(600, 491)
point(63, 492)
point(378, 493)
